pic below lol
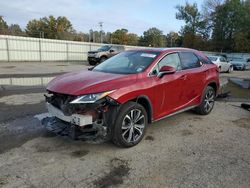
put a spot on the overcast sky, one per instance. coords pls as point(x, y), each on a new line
point(134, 15)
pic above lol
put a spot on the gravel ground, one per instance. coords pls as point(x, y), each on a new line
point(186, 150)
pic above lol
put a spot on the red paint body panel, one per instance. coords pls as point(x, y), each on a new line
point(168, 94)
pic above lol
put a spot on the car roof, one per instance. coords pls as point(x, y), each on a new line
point(213, 56)
point(163, 49)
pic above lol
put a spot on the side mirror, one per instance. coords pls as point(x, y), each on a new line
point(166, 70)
point(111, 51)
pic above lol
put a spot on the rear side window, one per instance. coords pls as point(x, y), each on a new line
point(189, 60)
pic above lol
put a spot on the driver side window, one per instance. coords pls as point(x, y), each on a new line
point(171, 60)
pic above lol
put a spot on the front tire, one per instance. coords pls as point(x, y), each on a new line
point(130, 126)
point(92, 63)
point(207, 103)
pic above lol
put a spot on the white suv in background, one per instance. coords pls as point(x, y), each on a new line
point(222, 63)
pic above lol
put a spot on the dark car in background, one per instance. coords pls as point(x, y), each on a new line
point(103, 53)
point(239, 63)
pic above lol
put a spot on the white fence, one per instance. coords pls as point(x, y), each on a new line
point(13, 48)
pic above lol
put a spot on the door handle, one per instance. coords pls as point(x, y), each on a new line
point(183, 77)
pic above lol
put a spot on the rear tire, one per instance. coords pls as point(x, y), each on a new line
point(207, 103)
point(103, 59)
point(130, 125)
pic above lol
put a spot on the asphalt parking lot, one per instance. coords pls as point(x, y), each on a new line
point(186, 150)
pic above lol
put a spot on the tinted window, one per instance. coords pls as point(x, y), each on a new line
point(171, 60)
point(189, 60)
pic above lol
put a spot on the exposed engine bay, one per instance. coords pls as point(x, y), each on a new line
point(79, 121)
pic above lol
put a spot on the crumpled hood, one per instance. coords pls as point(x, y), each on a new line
point(85, 82)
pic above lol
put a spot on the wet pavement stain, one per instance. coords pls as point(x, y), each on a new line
point(186, 132)
point(243, 123)
point(8, 67)
point(150, 138)
point(119, 169)
point(79, 153)
point(19, 132)
point(4, 180)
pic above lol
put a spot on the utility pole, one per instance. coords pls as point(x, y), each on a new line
point(41, 34)
point(101, 24)
point(89, 35)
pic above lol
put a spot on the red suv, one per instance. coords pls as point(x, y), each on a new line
point(118, 98)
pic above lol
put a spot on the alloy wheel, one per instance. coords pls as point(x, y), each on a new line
point(209, 100)
point(133, 125)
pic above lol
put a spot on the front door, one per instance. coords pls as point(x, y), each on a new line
point(169, 88)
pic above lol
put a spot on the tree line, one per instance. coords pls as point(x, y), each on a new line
point(220, 25)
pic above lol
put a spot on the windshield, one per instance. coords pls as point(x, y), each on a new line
point(212, 58)
point(129, 62)
point(104, 48)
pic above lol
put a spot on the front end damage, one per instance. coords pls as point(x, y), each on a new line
point(80, 121)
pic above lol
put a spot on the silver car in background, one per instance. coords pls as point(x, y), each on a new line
point(222, 63)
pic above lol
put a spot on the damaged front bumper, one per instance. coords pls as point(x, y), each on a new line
point(80, 121)
point(76, 119)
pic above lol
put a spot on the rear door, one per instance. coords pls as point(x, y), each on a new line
point(195, 73)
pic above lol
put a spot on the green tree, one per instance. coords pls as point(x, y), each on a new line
point(122, 36)
point(153, 37)
point(242, 35)
point(51, 27)
point(15, 29)
point(173, 39)
point(35, 28)
point(228, 20)
point(3, 26)
point(195, 30)
point(195, 22)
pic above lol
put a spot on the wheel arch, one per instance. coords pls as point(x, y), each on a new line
point(104, 55)
point(146, 103)
point(214, 85)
